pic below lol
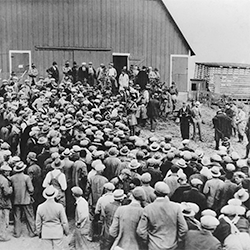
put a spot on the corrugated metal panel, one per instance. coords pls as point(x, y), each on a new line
point(142, 28)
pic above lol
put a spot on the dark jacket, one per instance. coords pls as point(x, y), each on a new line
point(54, 72)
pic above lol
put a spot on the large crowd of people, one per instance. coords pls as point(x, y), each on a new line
point(71, 147)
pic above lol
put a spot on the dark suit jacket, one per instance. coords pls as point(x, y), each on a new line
point(197, 240)
point(54, 72)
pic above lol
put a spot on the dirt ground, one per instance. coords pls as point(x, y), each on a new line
point(163, 127)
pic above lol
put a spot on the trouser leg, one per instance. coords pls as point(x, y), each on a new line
point(17, 220)
point(30, 218)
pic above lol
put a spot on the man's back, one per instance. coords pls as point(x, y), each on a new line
point(162, 223)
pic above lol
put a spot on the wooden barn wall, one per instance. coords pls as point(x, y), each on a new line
point(139, 27)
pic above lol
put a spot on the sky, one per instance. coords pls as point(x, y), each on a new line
point(217, 30)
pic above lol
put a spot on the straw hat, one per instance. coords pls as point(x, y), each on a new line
point(118, 194)
point(209, 222)
point(181, 163)
point(215, 172)
point(154, 147)
point(50, 192)
point(19, 167)
point(134, 164)
point(57, 164)
point(242, 195)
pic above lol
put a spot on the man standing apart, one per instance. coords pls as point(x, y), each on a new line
point(197, 120)
point(5, 203)
point(79, 240)
point(162, 225)
point(22, 204)
point(185, 118)
point(51, 221)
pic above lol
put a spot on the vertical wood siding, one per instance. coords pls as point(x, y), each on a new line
point(142, 28)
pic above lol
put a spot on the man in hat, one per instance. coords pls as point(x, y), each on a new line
point(107, 218)
point(67, 71)
point(33, 73)
point(149, 191)
point(35, 174)
point(83, 72)
point(142, 78)
point(203, 239)
point(222, 127)
point(112, 74)
point(79, 240)
point(153, 109)
point(5, 202)
point(74, 73)
point(112, 164)
point(212, 187)
point(51, 220)
point(91, 74)
point(57, 179)
point(95, 190)
point(174, 94)
point(184, 115)
point(22, 202)
point(122, 181)
point(125, 221)
point(54, 71)
point(162, 225)
point(197, 120)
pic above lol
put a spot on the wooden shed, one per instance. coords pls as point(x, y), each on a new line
point(141, 32)
point(231, 79)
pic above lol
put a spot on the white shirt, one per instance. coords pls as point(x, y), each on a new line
point(61, 179)
point(82, 211)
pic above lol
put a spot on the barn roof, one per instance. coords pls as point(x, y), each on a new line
point(225, 65)
point(183, 37)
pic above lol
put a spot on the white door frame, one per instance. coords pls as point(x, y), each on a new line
point(20, 52)
point(171, 68)
point(122, 54)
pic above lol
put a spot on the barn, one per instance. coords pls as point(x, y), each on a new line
point(141, 32)
point(230, 79)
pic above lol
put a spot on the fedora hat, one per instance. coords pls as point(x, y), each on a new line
point(154, 147)
point(42, 140)
point(166, 148)
point(55, 141)
point(50, 192)
point(19, 167)
point(32, 156)
point(215, 172)
point(181, 163)
point(124, 151)
point(187, 211)
point(118, 194)
point(57, 164)
point(113, 151)
point(134, 164)
point(242, 195)
point(209, 222)
point(66, 152)
point(5, 167)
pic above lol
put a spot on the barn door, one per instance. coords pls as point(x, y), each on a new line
point(20, 61)
point(180, 72)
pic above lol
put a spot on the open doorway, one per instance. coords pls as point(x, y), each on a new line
point(120, 60)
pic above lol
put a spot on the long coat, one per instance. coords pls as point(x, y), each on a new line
point(162, 225)
point(201, 239)
point(124, 227)
point(51, 220)
point(185, 119)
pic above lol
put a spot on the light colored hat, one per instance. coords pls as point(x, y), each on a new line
point(139, 194)
point(227, 159)
point(99, 167)
point(187, 156)
point(216, 158)
point(185, 142)
point(113, 151)
point(118, 194)
point(166, 147)
point(42, 140)
point(109, 186)
point(76, 148)
point(57, 164)
point(234, 202)
point(241, 163)
point(205, 161)
point(195, 182)
point(187, 211)
point(5, 167)
point(5, 146)
point(235, 156)
point(154, 146)
point(50, 192)
point(181, 163)
point(134, 164)
point(66, 152)
point(208, 212)
point(242, 195)
point(32, 156)
point(124, 150)
point(19, 167)
point(215, 172)
point(162, 188)
point(209, 222)
point(126, 171)
point(77, 190)
point(146, 178)
point(230, 167)
point(199, 153)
